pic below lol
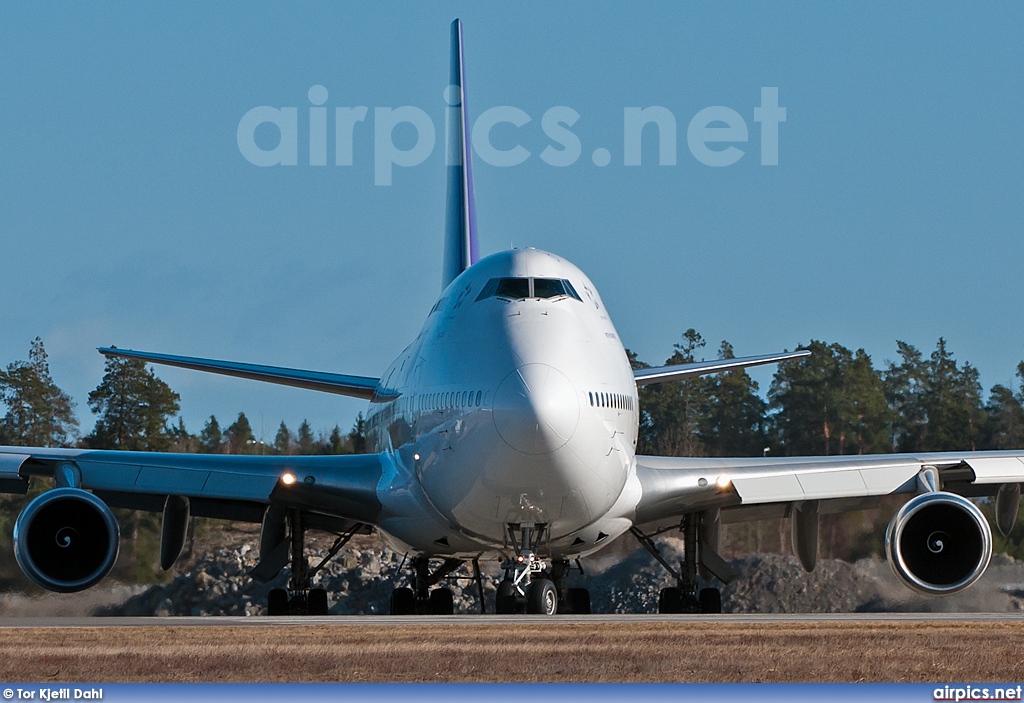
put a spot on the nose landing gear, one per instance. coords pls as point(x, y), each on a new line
point(523, 589)
point(530, 585)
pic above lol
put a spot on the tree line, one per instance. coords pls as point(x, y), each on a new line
point(835, 401)
point(134, 410)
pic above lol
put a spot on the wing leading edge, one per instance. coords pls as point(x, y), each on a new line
point(236, 487)
point(339, 384)
point(753, 488)
point(660, 374)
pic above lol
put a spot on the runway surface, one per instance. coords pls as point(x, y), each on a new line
point(470, 620)
point(604, 648)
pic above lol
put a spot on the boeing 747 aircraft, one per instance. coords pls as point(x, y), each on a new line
point(506, 430)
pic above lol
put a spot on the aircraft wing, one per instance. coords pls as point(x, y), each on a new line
point(341, 489)
point(762, 487)
point(660, 374)
point(340, 384)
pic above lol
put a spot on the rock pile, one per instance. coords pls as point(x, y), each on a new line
point(360, 581)
point(357, 582)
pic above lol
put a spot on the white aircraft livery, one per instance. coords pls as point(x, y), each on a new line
point(506, 430)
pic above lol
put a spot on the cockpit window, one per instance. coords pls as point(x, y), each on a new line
point(520, 288)
point(571, 291)
point(513, 288)
point(547, 288)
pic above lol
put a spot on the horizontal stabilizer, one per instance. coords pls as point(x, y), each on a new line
point(355, 386)
point(660, 374)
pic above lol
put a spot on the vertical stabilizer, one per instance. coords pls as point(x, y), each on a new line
point(460, 243)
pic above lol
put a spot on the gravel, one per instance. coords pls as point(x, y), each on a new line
point(359, 581)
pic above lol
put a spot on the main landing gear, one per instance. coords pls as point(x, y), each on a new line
point(700, 536)
point(422, 598)
point(300, 598)
point(530, 586)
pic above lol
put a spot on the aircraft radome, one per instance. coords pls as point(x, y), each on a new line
point(507, 429)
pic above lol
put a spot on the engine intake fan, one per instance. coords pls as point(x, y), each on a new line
point(66, 540)
point(939, 543)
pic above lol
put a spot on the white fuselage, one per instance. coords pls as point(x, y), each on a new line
point(516, 403)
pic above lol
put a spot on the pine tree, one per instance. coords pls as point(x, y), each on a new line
point(307, 443)
point(937, 403)
point(283, 439)
point(336, 442)
point(184, 441)
point(671, 412)
point(732, 421)
point(865, 414)
point(240, 437)
point(134, 407)
point(1005, 420)
point(831, 402)
point(357, 436)
point(211, 438)
point(39, 414)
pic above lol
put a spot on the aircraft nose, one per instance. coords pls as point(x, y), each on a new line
point(536, 409)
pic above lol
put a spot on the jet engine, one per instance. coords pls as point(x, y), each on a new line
point(939, 543)
point(66, 540)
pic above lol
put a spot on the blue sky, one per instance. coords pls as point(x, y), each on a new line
point(129, 215)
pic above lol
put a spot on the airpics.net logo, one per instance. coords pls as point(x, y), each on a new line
point(715, 136)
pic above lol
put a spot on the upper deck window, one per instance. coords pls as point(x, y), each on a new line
point(521, 288)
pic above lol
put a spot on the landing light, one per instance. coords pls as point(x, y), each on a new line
point(288, 479)
point(723, 481)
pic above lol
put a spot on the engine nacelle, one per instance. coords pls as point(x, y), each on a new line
point(939, 543)
point(66, 540)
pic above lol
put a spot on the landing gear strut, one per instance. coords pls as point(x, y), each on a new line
point(522, 589)
point(530, 586)
point(421, 599)
point(688, 596)
point(300, 598)
point(573, 601)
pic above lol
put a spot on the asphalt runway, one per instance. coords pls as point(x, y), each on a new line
point(405, 621)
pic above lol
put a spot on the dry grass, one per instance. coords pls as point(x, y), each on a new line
point(656, 651)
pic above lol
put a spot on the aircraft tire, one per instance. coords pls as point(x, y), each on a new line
point(541, 598)
point(277, 602)
point(710, 601)
point(505, 600)
point(316, 603)
point(577, 601)
point(441, 602)
point(403, 602)
point(670, 600)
